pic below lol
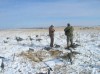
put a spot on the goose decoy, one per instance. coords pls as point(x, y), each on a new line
point(2, 65)
point(30, 38)
point(18, 39)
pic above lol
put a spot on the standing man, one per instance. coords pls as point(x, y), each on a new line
point(51, 34)
point(69, 33)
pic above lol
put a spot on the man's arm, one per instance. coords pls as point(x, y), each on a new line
point(52, 30)
point(65, 29)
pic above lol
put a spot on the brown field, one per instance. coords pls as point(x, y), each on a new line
point(46, 30)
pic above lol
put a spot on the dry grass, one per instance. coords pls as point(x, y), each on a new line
point(69, 56)
point(55, 53)
point(31, 56)
point(41, 55)
point(37, 56)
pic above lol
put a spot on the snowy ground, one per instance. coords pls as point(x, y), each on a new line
point(88, 62)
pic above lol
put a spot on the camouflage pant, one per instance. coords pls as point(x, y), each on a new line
point(51, 40)
point(69, 40)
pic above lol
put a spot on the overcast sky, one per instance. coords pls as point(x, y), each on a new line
point(38, 13)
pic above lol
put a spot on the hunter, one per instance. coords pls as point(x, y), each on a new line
point(69, 33)
point(51, 34)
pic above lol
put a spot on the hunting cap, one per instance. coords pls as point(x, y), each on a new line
point(68, 24)
point(51, 26)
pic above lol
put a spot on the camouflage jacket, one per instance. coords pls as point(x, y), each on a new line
point(69, 31)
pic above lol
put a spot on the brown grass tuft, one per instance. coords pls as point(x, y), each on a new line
point(31, 56)
point(55, 53)
point(37, 56)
